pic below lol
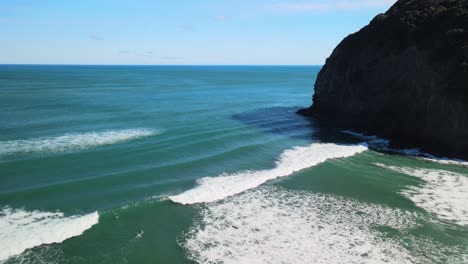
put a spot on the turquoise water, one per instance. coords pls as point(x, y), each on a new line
point(214, 166)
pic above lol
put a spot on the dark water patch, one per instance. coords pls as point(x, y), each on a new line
point(285, 122)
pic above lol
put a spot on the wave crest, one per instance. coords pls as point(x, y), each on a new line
point(74, 141)
point(20, 229)
point(210, 189)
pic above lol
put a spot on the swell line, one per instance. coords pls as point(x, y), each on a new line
point(210, 189)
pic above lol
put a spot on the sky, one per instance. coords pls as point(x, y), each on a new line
point(179, 32)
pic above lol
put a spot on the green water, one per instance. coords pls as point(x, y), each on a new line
point(91, 155)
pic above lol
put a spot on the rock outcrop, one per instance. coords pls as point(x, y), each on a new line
point(404, 77)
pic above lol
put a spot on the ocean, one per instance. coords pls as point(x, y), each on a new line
point(209, 164)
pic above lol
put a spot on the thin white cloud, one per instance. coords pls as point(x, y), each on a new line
point(169, 58)
point(147, 54)
point(328, 5)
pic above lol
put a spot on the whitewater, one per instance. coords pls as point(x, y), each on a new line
point(213, 164)
point(72, 141)
point(21, 229)
point(210, 189)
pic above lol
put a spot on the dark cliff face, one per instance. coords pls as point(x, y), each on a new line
point(404, 77)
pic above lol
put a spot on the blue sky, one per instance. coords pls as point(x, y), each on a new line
point(196, 32)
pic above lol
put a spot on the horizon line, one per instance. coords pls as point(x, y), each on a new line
point(67, 64)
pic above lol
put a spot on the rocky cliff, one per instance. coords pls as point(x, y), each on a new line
point(404, 77)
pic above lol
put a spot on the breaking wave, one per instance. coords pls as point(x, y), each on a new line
point(20, 229)
point(210, 189)
point(74, 141)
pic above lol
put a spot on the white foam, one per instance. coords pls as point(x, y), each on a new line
point(373, 141)
point(446, 160)
point(70, 142)
point(384, 145)
point(443, 193)
point(210, 189)
point(273, 225)
point(20, 229)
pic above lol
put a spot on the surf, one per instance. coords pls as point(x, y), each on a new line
point(21, 229)
point(274, 225)
point(442, 193)
point(381, 144)
point(72, 141)
point(210, 189)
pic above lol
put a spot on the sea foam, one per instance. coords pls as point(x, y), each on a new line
point(274, 225)
point(443, 193)
point(20, 229)
point(384, 145)
point(447, 161)
point(73, 141)
point(210, 189)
